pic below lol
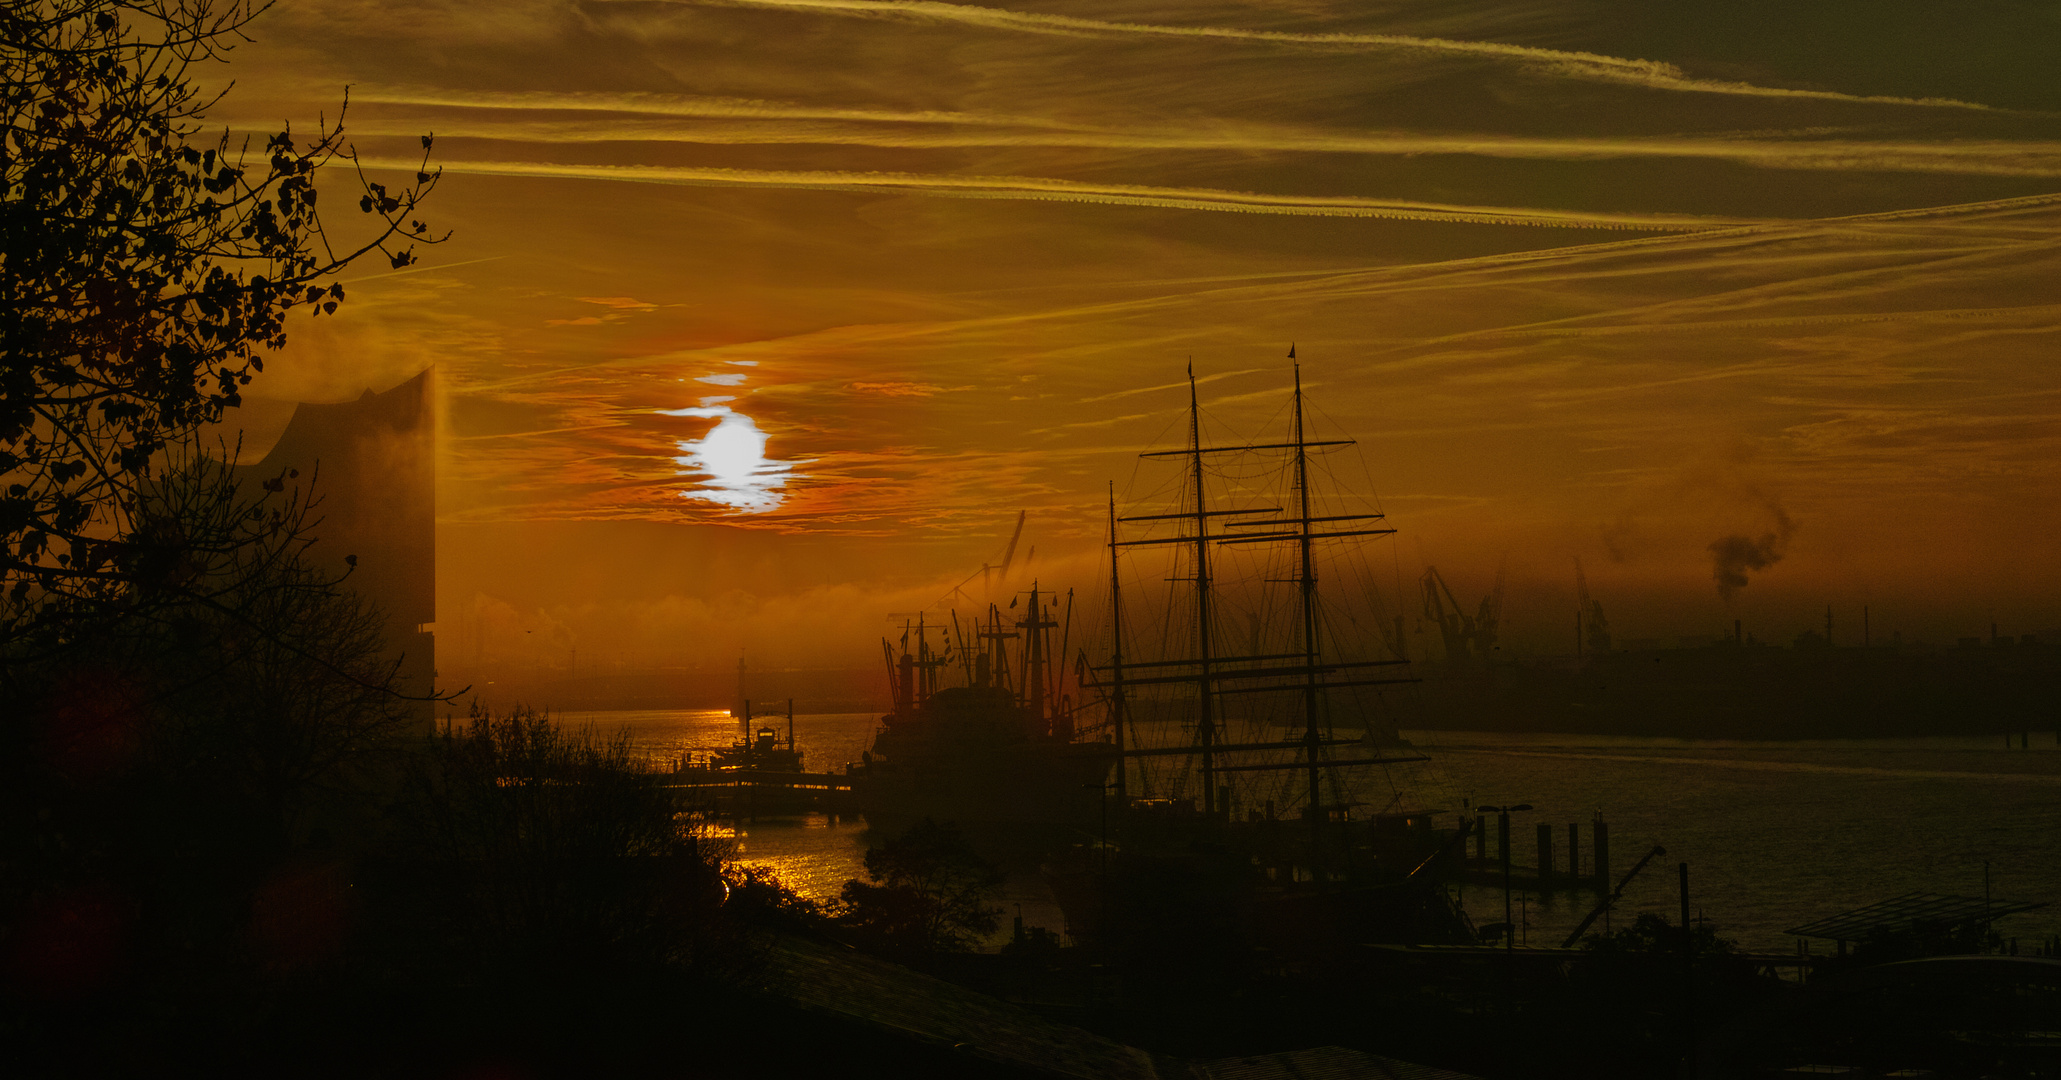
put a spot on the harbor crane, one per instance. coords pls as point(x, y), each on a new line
point(1467, 637)
point(1455, 625)
point(1490, 615)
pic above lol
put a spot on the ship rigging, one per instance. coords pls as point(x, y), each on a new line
point(1308, 661)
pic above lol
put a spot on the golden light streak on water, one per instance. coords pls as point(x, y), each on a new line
point(815, 854)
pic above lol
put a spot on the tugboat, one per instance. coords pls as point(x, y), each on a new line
point(998, 753)
point(756, 775)
point(761, 752)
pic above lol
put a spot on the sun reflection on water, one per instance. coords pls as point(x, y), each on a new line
point(815, 854)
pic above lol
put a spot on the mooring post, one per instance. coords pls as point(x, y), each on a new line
point(1503, 853)
point(1481, 836)
point(1574, 854)
point(1545, 855)
point(1688, 965)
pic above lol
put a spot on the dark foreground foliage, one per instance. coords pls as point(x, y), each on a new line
point(147, 271)
point(513, 895)
point(221, 845)
point(554, 850)
point(930, 892)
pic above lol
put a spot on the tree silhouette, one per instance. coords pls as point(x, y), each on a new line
point(929, 893)
point(144, 275)
point(234, 716)
point(574, 856)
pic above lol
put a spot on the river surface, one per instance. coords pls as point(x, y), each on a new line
point(1776, 834)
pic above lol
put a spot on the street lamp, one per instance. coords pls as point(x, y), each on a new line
point(1105, 932)
point(1503, 845)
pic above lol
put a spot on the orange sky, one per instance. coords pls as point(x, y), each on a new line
point(1605, 280)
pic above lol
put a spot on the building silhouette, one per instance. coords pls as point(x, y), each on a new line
point(373, 463)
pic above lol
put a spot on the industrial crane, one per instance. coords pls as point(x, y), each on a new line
point(1490, 615)
point(1457, 627)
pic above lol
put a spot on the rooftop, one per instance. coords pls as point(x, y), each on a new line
point(1909, 910)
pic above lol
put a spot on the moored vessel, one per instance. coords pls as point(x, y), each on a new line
point(998, 751)
point(1263, 784)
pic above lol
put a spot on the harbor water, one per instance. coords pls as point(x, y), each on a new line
point(1776, 834)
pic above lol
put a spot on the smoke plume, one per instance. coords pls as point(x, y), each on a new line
point(1732, 556)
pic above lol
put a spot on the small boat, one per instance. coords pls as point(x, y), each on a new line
point(761, 752)
point(757, 775)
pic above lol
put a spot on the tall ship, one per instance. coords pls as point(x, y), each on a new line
point(1000, 747)
point(1267, 687)
point(1252, 671)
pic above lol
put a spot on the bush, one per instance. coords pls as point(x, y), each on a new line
point(929, 893)
point(760, 897)
point(559, 849)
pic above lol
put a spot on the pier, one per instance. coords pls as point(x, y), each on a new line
point(749, 792)
point(1556, 869)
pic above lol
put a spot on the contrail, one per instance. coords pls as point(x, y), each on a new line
point(1648, 73)
point(420, 268)
point(1044, 189)
point(1449, 273)
point(655, 118)
point(657, 104)
point(1561, 261)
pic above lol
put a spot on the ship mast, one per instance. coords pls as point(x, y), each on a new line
point(1305, 542)
point(1313, 668)
point(1205, 717)
point(1034, 625)
point(1116, 659)
point(1255, 673)
point(997, 651)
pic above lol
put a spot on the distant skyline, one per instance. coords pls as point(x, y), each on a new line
point(764, 318)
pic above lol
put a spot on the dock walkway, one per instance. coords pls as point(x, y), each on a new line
point(749, 792)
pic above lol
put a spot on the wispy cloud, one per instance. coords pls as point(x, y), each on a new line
point(655, 118)
point(899, 389)
point(963, 253)
point(1046, 189)
point(1572, 64)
